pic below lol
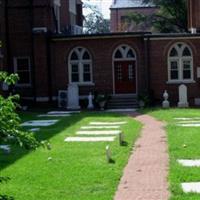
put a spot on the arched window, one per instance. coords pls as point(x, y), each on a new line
point(124, 52)
point(180, 63)
point(80, 66)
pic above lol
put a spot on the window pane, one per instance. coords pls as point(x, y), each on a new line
point(130, 54)
point(174, 75)
point(75, 78)
point(130, 72)
point(186, 52)
point(174, 65)
point(23, 78)
point(186, 65)
point(74, 56)
point(174, 70)
point(86, 56)
point(186, 74)
point(118, 54)
point(86, 68)
point(75, 68)
point(173, 53)
point(22, 64)
point(86, 77)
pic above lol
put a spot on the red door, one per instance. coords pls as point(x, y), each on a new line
point(125, 77)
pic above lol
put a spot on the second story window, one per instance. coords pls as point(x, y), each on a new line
point(57, 5)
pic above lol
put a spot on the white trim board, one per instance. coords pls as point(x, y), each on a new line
point(100, 127)
point(109, 132)
point(108, 123)
point(189, 163)
point(193, 187)
point(89, 139)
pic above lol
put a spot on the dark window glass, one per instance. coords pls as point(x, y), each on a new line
point(187, 70)
point(23, 77)
point(74, 56)
point(118, 54)
point(74, 68)
point(186, 52)
point(75, 78)
point(174, 75)
point(22, 64)
point(130, 54)
point(86, 56)
point(173, 53)
point(86, 73)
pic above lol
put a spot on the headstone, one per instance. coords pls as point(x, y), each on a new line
point(165, 103)
point(73, 97)
point(189, 163)
point(108, 123)
point(90, 103)
point(121, 139)
point(108, 154)
point(183, 100)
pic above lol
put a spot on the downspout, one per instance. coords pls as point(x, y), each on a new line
point(33, 52)
point(147, 61)
point(7, 39)
point(48, 56)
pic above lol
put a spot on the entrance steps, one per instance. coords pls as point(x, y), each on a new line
point(123, 102)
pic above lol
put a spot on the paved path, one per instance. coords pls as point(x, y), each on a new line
point(145, 176)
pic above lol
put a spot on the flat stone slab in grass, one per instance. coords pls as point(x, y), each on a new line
point(54, 115)
point(89, 139)
point(109, 132)
point(100, 127)
point(191, 187)
point(39, 123)
point(189, 125)
point(34, 129)
point(187, 118)
point(190, 163)
point(5, 147)
point(107, 123)
point(63, 112)
point(189, 122)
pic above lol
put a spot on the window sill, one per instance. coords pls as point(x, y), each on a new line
point(181, 82)
point(84, 84)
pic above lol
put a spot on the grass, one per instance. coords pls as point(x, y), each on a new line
point(183, 144)
point(76, 171)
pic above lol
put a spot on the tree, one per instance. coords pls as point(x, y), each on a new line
point(171, 17)
point(10, 123)
point(94, 22)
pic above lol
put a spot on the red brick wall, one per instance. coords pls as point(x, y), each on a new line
point(101, 51)
point(159, 70)
point(116, 14)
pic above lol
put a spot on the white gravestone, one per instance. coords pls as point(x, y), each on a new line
point(73, 97)
point(90, 103)
point(165, 103)
point(183, 101)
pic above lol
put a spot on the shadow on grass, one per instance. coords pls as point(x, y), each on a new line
point(64, 123)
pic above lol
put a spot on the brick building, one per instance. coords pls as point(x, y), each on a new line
point(121, 11)
point(49, 55)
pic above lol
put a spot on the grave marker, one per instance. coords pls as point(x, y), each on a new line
point(183, 99)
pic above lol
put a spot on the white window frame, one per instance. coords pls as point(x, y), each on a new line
point(180, 59)
point(29, 70)
point(80, 62)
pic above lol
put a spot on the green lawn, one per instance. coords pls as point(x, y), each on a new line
point(77, 171)
point(184, 143)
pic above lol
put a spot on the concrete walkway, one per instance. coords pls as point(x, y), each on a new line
point(145, 176)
